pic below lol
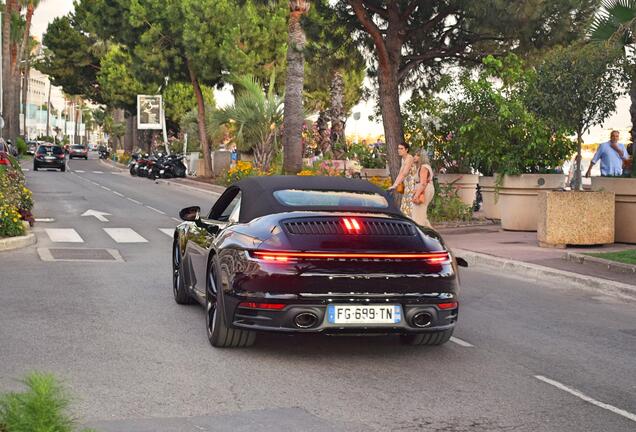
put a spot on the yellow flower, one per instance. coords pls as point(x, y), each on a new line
point(14, 220)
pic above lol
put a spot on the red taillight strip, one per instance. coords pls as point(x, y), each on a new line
point(447, 306)
point(436, 257)
point(268, 306)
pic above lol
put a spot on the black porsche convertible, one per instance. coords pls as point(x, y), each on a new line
point(300, 254)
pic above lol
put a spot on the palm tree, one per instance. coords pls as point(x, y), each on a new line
point(258, 117)
point(27, 45)
point(7, 82)
point(294, 83)
point(615, 24)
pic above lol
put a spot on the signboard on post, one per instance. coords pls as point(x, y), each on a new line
point(149, 112)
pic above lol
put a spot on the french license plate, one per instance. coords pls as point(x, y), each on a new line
point(364, 314)
point(49, 157)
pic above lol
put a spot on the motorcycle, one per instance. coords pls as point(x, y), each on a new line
point(133, 165)
point(171, 166)
point(104, 154)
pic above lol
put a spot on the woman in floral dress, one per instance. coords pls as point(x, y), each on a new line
point(407, 177)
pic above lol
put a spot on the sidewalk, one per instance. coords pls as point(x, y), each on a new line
point(491, 240)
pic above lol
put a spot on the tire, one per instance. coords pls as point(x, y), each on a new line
point(181, 295)
point(35, 167)
point(219, 334)
point(431, 338)
point(63, 169)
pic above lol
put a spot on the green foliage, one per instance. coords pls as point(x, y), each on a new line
point(487, 126)
point(21, 145)
point(16, 201)
point(118, 86)
point(367, 157)
point(180, 100)
point(257, 116)
point(446, 205)
point(627, 256)
point(41, 408)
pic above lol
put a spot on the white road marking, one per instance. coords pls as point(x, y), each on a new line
point(64, 235)
point(586, 398)
point(118, 194)
point(155, 210)
point(125, 235)
point(167, 231)
point(45, 219)
point(95, 183)
point(177, 220)
point(133, 200)
point(79, 171)
point(25, 169)
point(98, 172)
point(98, 214)
point(105, 188)
point(460, 342)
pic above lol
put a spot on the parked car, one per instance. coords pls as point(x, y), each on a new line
point(78, 151)
point(31, 147)
point(49, 156)
point(4, 154)
point(291, 254)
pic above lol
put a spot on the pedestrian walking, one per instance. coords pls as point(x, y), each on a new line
point(612, 155)
point(405, 181)
point(424, 190)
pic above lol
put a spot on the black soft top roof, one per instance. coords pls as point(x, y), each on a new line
point(258, 194)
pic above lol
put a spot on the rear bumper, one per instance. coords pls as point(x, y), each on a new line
point(57, 163)
point(284, 321)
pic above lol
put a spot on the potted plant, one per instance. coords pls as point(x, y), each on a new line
point(598, 77)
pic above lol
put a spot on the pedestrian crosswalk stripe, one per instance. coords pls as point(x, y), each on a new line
point(124, 235)
point(79, 171)
point(167, 231)
point(98, 172)
point(64, 235)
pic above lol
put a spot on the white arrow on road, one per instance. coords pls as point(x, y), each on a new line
point(99, 215)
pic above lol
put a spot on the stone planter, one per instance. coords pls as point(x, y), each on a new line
point(465, 184)
point(518, 199)
point(625, 198)
point(221, 160)
point(490, 205)
point(374, 172)
point(575, 218)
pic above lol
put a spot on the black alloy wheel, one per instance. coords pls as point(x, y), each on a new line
point(179, 291)
point(219, 334)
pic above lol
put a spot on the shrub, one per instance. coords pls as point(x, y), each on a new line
point(21, 145)
point(17, 202)
point(41, 408)
point(382, 182)
point(124, 158)
point(447, 206)
point(10, 221)
point(241, 170)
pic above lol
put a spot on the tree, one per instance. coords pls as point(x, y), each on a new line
point(8, 78)
point(413, 40)
point(615, 25)
point(577, 88)
point(258, 117)
point(294, 113)
point(27, 46)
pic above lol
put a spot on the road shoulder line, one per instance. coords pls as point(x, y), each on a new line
point(586, 398)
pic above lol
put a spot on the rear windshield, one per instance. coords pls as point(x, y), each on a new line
point(77, 147)
point(50, 149)
point(312, 198)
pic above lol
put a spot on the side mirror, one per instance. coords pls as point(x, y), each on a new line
point(461, 262)
point(190, 214)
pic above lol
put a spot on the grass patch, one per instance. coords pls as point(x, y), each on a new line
point(626, 257)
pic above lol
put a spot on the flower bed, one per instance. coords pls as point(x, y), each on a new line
point(16, 201)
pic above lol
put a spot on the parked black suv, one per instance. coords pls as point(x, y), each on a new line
point(49, 156)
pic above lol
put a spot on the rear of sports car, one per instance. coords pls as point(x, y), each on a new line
point(344, 272)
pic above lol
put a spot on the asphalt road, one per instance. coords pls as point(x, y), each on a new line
point(526, 357)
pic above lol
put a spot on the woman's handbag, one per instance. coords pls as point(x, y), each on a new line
point(400, 188)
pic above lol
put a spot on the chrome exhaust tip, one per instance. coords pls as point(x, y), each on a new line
point(422, 319)
point(305, 320)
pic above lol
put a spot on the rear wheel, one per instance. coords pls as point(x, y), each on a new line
point(181, 295)
point(430, 338)
point(219, 334)
point(35, 167)
point(63, 169)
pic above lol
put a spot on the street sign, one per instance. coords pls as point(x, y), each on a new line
point(149, 112)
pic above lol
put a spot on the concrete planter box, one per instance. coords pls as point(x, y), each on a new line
point(221, 161)
point(491, 205)
point(575, 218)
point(625, 198)
point(374, 172)
point(518, 199)
point(465, 184)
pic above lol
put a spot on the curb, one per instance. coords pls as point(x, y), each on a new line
point(547, 274)
point(611, 265)
point(12, 243)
